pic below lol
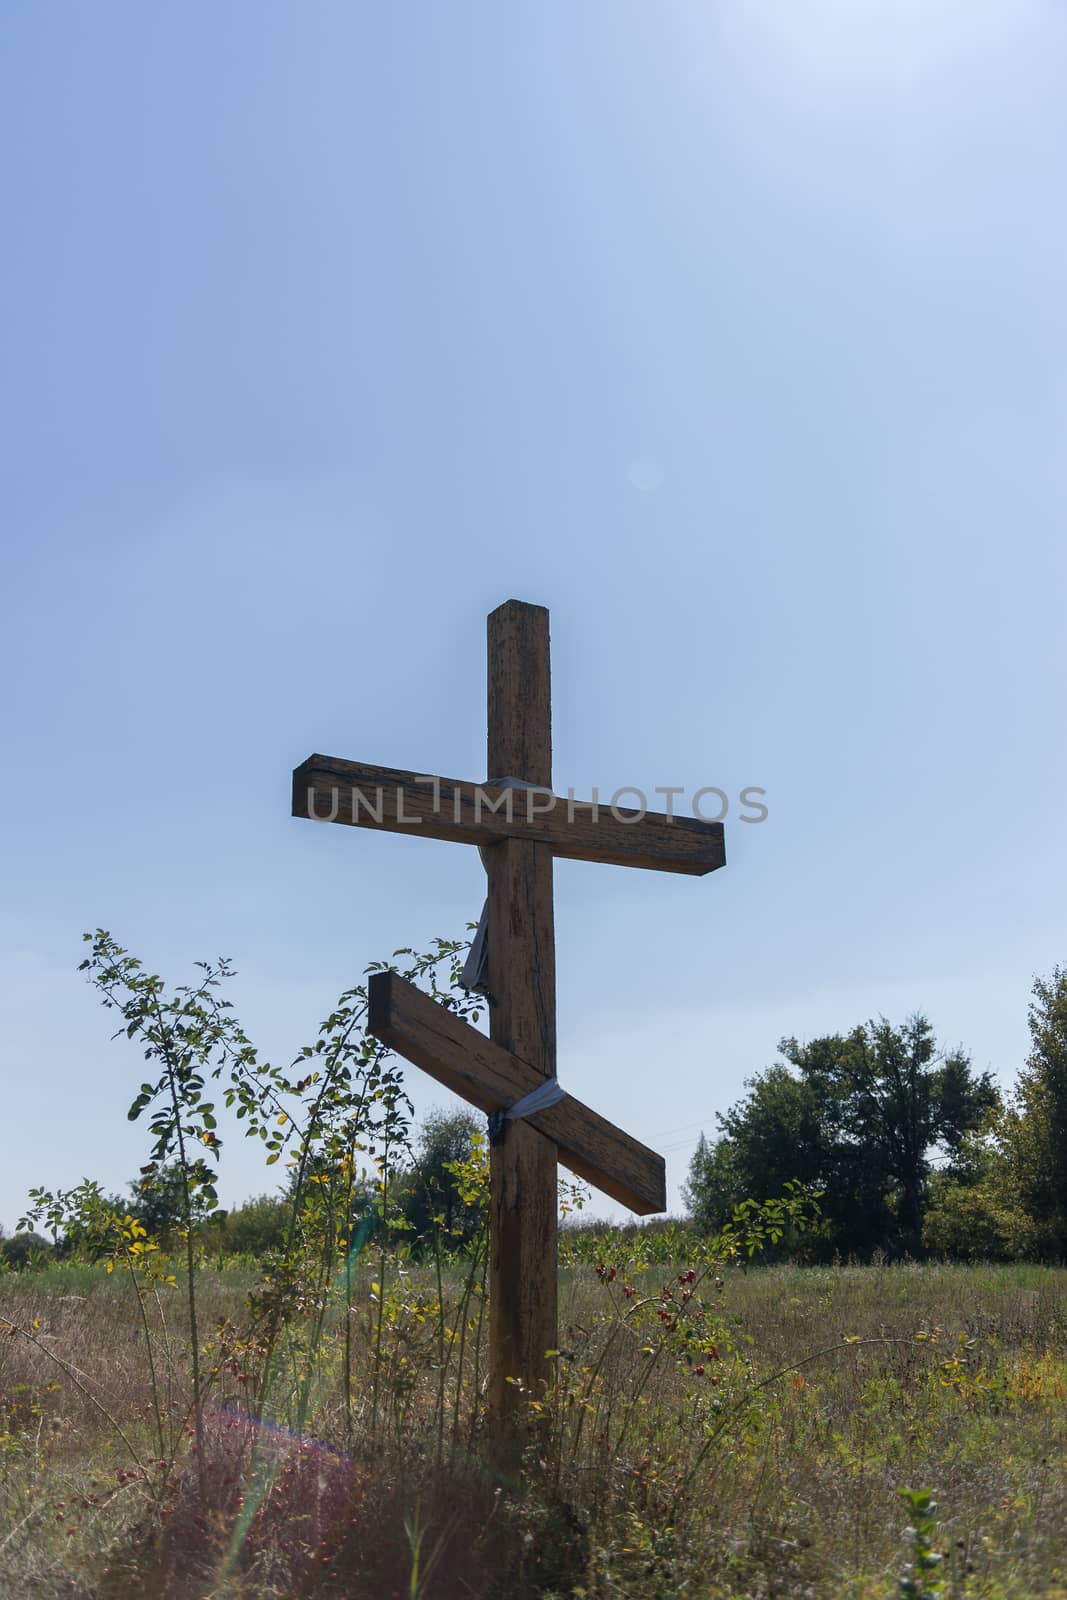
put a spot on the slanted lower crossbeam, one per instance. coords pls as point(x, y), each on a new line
point(491, 1078)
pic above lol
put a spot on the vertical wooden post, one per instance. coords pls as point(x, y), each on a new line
point(522, 983)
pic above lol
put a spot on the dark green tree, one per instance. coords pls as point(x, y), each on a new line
point(1037, 1132)
point(158, 1201)
point(898, 1099)
point(428, 1193)
point(24, 1250)
point(714, 1183)
point(857, 1116)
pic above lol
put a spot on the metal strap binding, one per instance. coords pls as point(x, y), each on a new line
point(475, 968)
point(549, 1093)
point(473, 978)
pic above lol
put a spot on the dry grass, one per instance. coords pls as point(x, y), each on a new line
point(650, 1478)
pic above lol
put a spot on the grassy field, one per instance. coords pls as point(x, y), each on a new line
point(714, 1432)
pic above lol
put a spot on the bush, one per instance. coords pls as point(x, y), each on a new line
point(974, 1223)
point(257, 1226)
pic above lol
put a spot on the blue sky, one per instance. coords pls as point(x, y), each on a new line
point(733, 333)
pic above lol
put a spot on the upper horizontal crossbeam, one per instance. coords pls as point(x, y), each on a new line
point(328, 789)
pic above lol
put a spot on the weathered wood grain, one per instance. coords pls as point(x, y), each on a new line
point(520, 833)
point(521, 946)
point(329, 789)
point(492, 1078)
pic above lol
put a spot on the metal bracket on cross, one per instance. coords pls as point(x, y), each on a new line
point(549, 1093)
point(476, 967)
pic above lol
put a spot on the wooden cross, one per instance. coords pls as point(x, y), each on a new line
point(525, 830)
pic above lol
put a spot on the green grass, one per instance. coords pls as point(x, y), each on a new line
point(648, 1478)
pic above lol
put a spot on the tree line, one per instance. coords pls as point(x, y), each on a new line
point(909, 1149)
point(912, 1151)
point(425, 1192)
